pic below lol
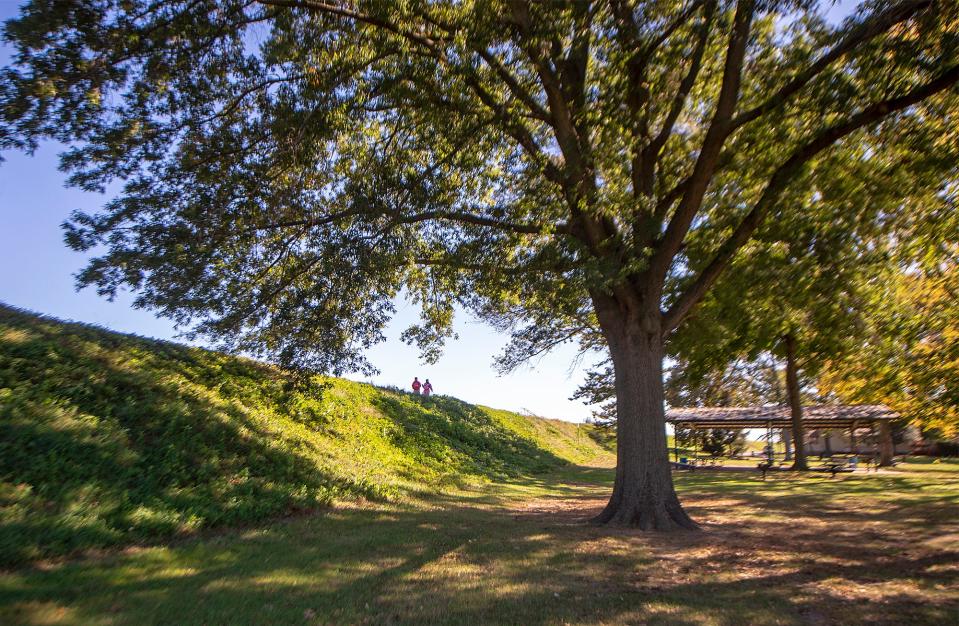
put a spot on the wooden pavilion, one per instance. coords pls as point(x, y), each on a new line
point(875, 417)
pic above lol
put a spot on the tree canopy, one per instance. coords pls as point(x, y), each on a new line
point(909, 358)
point(562, 169)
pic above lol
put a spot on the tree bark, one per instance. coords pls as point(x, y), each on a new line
point(643, 494)
point(795, 404)
point(886, 446)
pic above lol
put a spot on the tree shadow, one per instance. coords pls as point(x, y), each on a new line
point(460, 438)
point(450, 563)
point(109, 438)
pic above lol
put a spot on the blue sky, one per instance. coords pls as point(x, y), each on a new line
point(36, 273)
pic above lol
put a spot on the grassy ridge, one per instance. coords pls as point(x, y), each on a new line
point(108, 438)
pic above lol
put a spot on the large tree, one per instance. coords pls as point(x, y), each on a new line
point(289, 165)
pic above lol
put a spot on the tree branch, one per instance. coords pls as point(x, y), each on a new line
point(535, 109)
point(479, 267)
point(784, 175)
point(516, 129)
point(679, 100)
point(479, 220)
point(566, 135)
point(342, 11)
point(712, 143)
point(651, 47)
point(462, 217)
point(580, 182)
point(870, 28)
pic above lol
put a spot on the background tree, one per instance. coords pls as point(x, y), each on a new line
point(741, 383)
point(716, 442)
point(289, 166)
point(804, 289)
point(910, 359)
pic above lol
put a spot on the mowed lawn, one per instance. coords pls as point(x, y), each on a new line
point(858, 549)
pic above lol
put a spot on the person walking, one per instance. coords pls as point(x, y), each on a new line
point(416, 385)
point(427, 388)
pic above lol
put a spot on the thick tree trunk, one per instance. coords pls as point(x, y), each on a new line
point(643, 494)
point(795, 404)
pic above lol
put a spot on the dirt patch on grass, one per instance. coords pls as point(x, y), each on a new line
point(792, 550)
point(821, 560)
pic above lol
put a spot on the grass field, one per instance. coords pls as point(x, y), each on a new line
point(142, 482)
point(859, 549)
point(106, 439)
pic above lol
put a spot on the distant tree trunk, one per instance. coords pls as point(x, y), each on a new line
point(886, 447)
point(795, 403)
point(786, 435)
point(827, 443)
point(643, 494)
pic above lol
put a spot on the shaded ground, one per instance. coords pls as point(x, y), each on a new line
point(858, 549)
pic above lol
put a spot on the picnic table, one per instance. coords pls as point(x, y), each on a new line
point(835, 467)
point(691, 463)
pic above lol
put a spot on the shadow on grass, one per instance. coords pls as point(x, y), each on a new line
point(467, 439)
point(107, 438)
point(911, 504)
point(489, 562)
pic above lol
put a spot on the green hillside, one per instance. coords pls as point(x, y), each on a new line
point(108, 438)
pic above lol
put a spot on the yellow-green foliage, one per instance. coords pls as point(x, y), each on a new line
point(108, 438)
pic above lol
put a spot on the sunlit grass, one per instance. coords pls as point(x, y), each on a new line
point(794, 549)
point(107, 439)
point(146, 483)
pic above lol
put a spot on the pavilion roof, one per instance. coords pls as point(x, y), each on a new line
point(816, 416)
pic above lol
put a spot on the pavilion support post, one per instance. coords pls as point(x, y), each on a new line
point(852, 439)
point(886, 448)
point(770, 452)
point(795, 403)
point(786, 435)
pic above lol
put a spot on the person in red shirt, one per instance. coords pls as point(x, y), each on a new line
point(416, 385)
point(427, 388)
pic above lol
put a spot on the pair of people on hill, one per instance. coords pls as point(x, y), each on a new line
point(426, 387)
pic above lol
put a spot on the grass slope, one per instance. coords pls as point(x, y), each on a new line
point(108, 438)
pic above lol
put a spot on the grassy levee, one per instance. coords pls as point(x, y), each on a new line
point(107, 439)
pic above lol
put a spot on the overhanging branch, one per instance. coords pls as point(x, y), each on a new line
point(872, 27)
point(783, 176)
point(712, 145)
